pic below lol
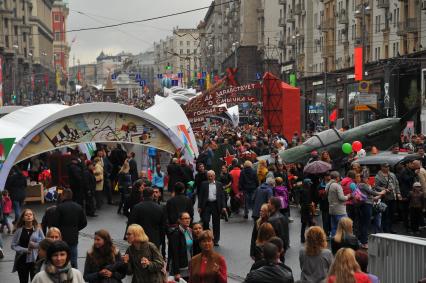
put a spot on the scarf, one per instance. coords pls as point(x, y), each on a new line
point(59, 275)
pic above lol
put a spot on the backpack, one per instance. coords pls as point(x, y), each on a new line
point(281, 192)
point(359, 196)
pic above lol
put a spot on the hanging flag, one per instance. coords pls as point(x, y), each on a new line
point(183, 134)
point(46, 80)
point(333, 115)
point(78, 76)
point(358, 63)
point(1, 81)
point(208, 82)
point(293, 81)
point(32, 82)
point(58, 79)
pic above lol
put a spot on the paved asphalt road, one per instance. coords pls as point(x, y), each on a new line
point(234, 243)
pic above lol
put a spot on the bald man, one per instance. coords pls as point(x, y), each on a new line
point(211, 203)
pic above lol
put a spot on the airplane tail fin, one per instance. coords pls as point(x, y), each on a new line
point(408, 115)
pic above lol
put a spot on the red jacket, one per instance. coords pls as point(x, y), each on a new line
point(360, 277)
point(7, 205)
point(346, 184)
point(235, 174)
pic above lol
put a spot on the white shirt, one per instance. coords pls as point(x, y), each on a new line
point(212, 191)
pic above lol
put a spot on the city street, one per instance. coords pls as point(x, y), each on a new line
point(234, 244)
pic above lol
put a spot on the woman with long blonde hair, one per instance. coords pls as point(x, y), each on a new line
point(262, 171)
point(264, 215)
point(344, 237)
point(142, 257)
point(315, 259)
point(345, 269)
point(124, 184)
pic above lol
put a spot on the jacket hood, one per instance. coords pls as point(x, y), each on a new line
point(265, 186)
point(346, 181)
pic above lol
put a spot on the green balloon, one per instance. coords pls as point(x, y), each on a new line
point(347, 148)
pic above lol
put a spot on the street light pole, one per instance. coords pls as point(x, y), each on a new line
point(235, 49)
point(15, 70)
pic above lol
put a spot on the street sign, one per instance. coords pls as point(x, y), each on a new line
point(138, 77)
point(113, 76)
point(258, 76)
point(142, 83)
point(364, 99)
point(364, 86)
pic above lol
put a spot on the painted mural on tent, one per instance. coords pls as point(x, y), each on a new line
point(5, 147)
point(97, 127)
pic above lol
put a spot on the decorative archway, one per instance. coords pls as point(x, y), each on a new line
point(36, 129)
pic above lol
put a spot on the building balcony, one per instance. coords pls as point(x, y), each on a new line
point(281, 22)
point(328, 51)
point(400, 29)
point(282, 2)
point(382, 4)
point(412, 25)
point(343, 17)
point(298, 9)
point(290, 17)
point(327, 24)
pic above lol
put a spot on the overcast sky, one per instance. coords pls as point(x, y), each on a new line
point(133, 38)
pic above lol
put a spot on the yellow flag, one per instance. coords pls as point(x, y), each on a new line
point(58, 79)
point(208, 82)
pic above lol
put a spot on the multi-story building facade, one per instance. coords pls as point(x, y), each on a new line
point(87, 74)
point(318, 41)
point(108, 64)
point(243, 34)
point(42, 39)
point(178, 53)
point(144, 64)
point(16, 49)
point(61, 49)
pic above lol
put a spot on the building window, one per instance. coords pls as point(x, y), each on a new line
point(57, 36)
point(57, 18)
point(188, 43)
point(195, 51)
point(181, 43)
point(16, 30)
point(188, 51)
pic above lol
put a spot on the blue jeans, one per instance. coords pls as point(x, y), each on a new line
point(377, 223)
point(17, 209)
point(74, 256)
point(334, 222)
point(365, 211)
point(248, 202)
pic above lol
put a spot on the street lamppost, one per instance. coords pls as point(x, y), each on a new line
point(15, 70)
point(30, 77)
point(235, 50)
point(211, 61)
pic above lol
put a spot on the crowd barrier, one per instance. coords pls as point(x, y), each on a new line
point(397, 258)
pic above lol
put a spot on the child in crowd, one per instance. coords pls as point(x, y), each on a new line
point(281, 192)
point(6, 204)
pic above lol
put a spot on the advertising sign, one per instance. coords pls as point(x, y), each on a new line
point(364, 99)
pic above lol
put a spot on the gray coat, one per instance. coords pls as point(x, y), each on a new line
point(336, 198)
point(35, 238)
point(390, 182)
point(315, 268)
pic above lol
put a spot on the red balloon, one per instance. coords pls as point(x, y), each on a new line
point(356, 146)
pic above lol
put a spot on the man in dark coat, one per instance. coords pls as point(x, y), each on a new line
point(133, 166)
point(200, 177)
point(211, 203)
point(76, 180)
point(188, 173)
point(150, 216)
point(273, 271)
point(248, 183)
point(174, 171)
point(279, 221)
point(70, 219)
point(15, 185)
point(89, 188)
point(117, 158)
point(178, 204)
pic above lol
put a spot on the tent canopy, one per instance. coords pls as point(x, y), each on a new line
point(38, 128)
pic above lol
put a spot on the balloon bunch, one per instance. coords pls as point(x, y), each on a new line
point(348, 148)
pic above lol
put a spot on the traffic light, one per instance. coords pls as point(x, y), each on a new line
point(168, 67)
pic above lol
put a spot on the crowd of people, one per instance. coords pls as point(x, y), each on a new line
point(165, 240)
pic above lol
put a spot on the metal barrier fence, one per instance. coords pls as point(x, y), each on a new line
point(396, 258)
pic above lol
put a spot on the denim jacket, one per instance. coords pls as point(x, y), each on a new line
point(35, 238)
